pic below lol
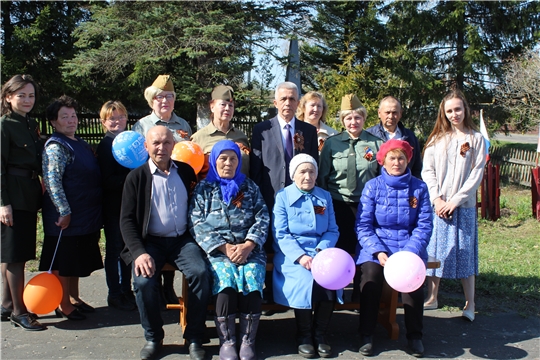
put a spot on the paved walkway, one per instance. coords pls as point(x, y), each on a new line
point(113, 334)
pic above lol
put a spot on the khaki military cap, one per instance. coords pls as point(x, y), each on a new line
point(164, 83)
point(223, 92)
point(350, 102)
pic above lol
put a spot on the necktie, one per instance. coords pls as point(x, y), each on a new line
point(288, 141)
point(351, 166)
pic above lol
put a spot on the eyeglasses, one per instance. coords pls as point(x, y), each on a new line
point(161, 97)
point(120, 118)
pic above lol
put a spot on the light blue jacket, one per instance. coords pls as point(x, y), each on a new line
point(298, 231)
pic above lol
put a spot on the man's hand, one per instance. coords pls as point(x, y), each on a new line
point(145, 266)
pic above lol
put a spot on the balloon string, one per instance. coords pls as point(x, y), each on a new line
point(55, 250)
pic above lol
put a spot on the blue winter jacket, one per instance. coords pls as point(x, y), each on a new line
point(394, 214)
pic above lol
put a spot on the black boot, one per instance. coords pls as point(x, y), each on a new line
point(304, 332)
point(323, 313)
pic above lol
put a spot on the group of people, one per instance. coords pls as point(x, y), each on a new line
point(301, 187)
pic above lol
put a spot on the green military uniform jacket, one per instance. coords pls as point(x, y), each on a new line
point(209, 135)
point(21, 148)
point(333, 164)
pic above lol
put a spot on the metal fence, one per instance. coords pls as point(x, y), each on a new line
point(91, 131)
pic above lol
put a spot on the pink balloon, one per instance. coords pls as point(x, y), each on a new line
point(404, 271)
point(333, 268)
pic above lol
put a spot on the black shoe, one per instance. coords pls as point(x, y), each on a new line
point(305, 347)
point(366, 345)
point(26, 322)
point(196, 351)
point(75, 315)
point(5, 314)
point(151, 349)
point(323, 348)
point(415, 348)
point(84, 307)
point(120, 303)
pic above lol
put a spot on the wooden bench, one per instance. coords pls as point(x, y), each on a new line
point(387, 308)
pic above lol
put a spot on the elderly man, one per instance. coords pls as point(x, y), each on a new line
point(273, 144)
point(154, 223)
point(160, 97)
point(276, 141)
point(390, 127)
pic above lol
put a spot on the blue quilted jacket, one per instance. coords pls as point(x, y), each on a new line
point(394, 214)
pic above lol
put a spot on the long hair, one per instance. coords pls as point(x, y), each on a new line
point(13, 85)
point(312, 95)
point(443, 125)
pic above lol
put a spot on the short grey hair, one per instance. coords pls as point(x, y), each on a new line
point(390, 98)
point(286, 85)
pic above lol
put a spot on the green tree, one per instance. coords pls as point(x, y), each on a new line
point(519, 92)
point(36, 40)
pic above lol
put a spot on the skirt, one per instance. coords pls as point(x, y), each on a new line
point(455, 243)
point(77, 256)
point(19, 240)
point(345, 220)
point(243, 278)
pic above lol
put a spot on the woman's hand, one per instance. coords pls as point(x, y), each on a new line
point(443, 209)
point(382, 256)
point(242, 251)
point(448, 209)
point(63, 221)
point(305, 261)
point(6, 215)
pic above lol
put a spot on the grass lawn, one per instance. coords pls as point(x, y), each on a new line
point(509, 252)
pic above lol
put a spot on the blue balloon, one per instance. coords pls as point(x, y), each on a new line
point(128, 149)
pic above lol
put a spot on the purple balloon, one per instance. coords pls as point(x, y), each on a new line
point(333, 268)
point(404, 271)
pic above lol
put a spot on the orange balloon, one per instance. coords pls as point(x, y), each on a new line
point(189, 153)
point(43, 293)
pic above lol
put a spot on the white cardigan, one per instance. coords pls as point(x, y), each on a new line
point(450, 175)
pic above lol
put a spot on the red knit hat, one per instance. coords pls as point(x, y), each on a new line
point(394, 145)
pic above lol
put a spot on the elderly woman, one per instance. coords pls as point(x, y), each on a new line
point(312, 109)
point(21, 195)
point(161, 96)
point(71, 207)
point(347, 162)
point(113, 117)
point(229, 220)
point(454, 160)
point(394, 215)
point(304, 224)
point(220, 128)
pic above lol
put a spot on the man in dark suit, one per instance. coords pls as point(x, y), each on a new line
point(153, 221)
point(390, 127)
point(273, 144)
